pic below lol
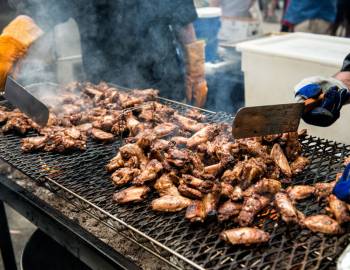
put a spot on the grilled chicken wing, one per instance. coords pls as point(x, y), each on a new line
point(323, 224)
point(244, 172)
point(102, 136)
point(202, 185)
point(285, 207)
point(235, 193)
point(131, 194)
point(165, 186)
point(195, 212)
point(189, 192)
point(187, 123)
point(323, 190)
point(264, 186)
point(228, 210)
point(281, 160)
point(300, 192)
point(123, 176)
point(165, 129)
point(129, 150)
point(245, 236)
point(33, 143)
point(196, 115)
point(149, 173)
point(299, 164)
point(339, 209)
point(170, 203)
point(202, 136)
point(251, 207)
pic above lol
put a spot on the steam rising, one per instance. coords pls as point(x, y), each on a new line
point(141, 60)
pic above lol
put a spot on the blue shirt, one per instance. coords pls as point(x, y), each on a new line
point(299, 11)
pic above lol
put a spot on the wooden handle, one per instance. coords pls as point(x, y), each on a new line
point(312, 103)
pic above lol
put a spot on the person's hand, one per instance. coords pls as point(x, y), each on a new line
point(196, 85)
point(14, 42)
point(334, 92)
point(342, 187)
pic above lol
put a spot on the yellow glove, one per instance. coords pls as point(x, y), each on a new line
point(196, 85)
point(14, 42)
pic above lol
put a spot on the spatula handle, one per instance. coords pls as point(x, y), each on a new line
point(312, 103)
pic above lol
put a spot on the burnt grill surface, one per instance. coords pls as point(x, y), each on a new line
point(83, 174)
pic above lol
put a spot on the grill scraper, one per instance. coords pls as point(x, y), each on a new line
point(21, 98)
point(271, 119)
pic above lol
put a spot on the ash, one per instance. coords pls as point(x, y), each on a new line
point(137, 254)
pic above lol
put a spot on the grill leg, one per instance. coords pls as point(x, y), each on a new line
point(5, 241)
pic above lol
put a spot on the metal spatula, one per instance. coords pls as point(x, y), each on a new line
point(19, 97)
point(271, 119)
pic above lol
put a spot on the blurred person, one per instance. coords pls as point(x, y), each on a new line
point(342, 20)
point(132, 43)
point(311, 16)
point(269, 9)
point(237, 21)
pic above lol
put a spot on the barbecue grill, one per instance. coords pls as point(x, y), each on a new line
point(81, 179)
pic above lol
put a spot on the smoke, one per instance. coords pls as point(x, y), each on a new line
point(129, 43)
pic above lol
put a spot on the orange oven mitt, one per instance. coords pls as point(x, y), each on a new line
point(14, 42)
point(196, 85)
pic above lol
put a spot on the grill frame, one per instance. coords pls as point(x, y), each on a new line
point(326, 159)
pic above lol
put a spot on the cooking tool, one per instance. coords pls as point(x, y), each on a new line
point(271, 119)
point(26, 102)
point(81, 179)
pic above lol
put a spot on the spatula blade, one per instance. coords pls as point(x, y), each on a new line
point(19, 97)
point(267, 120)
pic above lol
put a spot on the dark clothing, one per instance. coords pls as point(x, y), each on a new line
point(299, 11)
point(128, 42)
point(346, 64)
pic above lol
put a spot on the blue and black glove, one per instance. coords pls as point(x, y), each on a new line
point(342, 187)
point(334, 95)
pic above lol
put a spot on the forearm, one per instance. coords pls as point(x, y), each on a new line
point(344, 77)
point(186, 34)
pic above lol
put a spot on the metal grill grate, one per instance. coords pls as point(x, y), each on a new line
point(84, 176)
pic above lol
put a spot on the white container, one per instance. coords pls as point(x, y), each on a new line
point(272, 66)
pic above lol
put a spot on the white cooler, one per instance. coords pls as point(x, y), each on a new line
point(273, 65)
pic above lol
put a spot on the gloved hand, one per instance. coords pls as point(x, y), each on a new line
point(14, 42)
point(196, 85)
point(336, 94)
point(342, 187)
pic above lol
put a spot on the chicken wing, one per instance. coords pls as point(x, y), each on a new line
point(149, 173)
point(299, 164)
point(33, 143)
point(187, 123)
point(265, 185)
point(228, 210)
point(202, 136)
point(195, 212)
point(170, 203)
point(131, 194)
point(245, 236)
point(123, 176)
point(323, 190)
point(287, 210)
point(165, 186)
point(280, 159)
point(323, 224)
point(102, 136)
point(300, 192)
point(235, 193)
point(251, 207)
